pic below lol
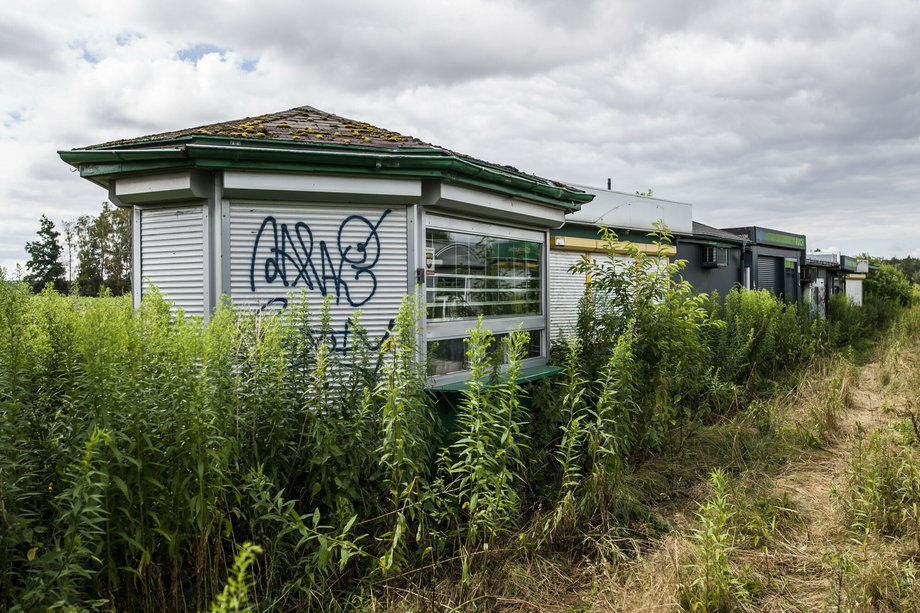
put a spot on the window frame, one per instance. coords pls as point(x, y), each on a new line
point(443, 330)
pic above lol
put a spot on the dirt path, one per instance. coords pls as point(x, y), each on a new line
point(806, 576)
point(807, 565)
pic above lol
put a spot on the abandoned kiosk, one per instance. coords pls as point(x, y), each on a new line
point(772, 261)
point(633, 217)
point(303, 200)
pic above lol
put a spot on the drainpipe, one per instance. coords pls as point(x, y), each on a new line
point(746, 249)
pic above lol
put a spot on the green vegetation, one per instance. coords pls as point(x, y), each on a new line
point(882, 495)
point(102, 244)
point(714, 586)
point(890, 284)
point(909, 266)
point(44, 264)
point(152, 462)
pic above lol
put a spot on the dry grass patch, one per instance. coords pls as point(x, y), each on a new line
point(783, 540)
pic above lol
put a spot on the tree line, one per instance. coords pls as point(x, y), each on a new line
point(94, 253)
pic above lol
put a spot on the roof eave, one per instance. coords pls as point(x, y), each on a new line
point(100, 165)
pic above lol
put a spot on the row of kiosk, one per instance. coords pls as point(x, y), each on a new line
point(304, 202)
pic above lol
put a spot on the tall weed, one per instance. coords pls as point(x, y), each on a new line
point(713, 585)
point(484, 462)
point(882, 493)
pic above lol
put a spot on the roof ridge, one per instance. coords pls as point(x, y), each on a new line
point(298, 124)
point(307, 128)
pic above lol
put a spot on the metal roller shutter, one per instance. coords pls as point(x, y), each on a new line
point(766, 273)
point(565, 290)
point(358, 255)
point(172, 254)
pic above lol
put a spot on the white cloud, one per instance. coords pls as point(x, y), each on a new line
point(799, 116)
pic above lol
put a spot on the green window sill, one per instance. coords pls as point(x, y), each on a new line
point(526, 375)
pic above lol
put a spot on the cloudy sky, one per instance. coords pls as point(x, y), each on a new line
point(798, 115)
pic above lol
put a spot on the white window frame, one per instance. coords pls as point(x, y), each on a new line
point(441, 330)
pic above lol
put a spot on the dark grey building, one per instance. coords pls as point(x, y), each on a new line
point(715, 259)
point(773, 260)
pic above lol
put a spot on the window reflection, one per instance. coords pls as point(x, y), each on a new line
point(471, 275)
point(450, 355)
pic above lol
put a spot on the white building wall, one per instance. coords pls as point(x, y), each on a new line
point(631, 211)
point(854, 290)
point(565, 291)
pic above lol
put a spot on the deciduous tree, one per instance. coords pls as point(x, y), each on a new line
point(103, 251)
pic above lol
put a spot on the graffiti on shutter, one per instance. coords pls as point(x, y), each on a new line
point(357, 256)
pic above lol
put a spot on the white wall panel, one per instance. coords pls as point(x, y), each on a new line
point(357, 254)
point(565, 290)
point(854, 290)
point(172, 254)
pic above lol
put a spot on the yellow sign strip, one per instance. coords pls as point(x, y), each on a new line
point(572, 243)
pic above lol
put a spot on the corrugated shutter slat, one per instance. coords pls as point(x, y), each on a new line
point(766, 273)
point(343, 229)
point(565, 290)
point(172, 254)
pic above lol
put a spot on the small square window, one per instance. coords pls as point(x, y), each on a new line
point(714, 257)
point(449, 355)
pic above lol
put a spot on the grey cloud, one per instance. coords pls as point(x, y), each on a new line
point(27, 46)
point(369, 45)
point(796, 115)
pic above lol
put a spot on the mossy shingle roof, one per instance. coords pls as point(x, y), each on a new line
point(302, 124)
point(306, 137)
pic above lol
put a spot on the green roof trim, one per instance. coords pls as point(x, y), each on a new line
point(578, 230)
point(304, 139)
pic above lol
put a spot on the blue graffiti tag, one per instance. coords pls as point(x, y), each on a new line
point(340, 340)
point(292, 258)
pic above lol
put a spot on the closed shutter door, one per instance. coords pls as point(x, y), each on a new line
point(766, 273)
point(357, 255)
point(854, 289)
point(602, 299)
point(565, 290)
point(172, 255)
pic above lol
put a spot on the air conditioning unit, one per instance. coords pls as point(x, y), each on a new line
point(714, 257)
point(809, 274)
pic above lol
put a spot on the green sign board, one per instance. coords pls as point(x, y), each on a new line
point(768, 236)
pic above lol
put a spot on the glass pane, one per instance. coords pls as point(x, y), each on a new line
point(469, 275)
point(450, 355)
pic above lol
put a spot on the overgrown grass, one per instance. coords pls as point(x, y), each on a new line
point(713, 586)
point(881, 503)
point(882, 494)
point(139, 449)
